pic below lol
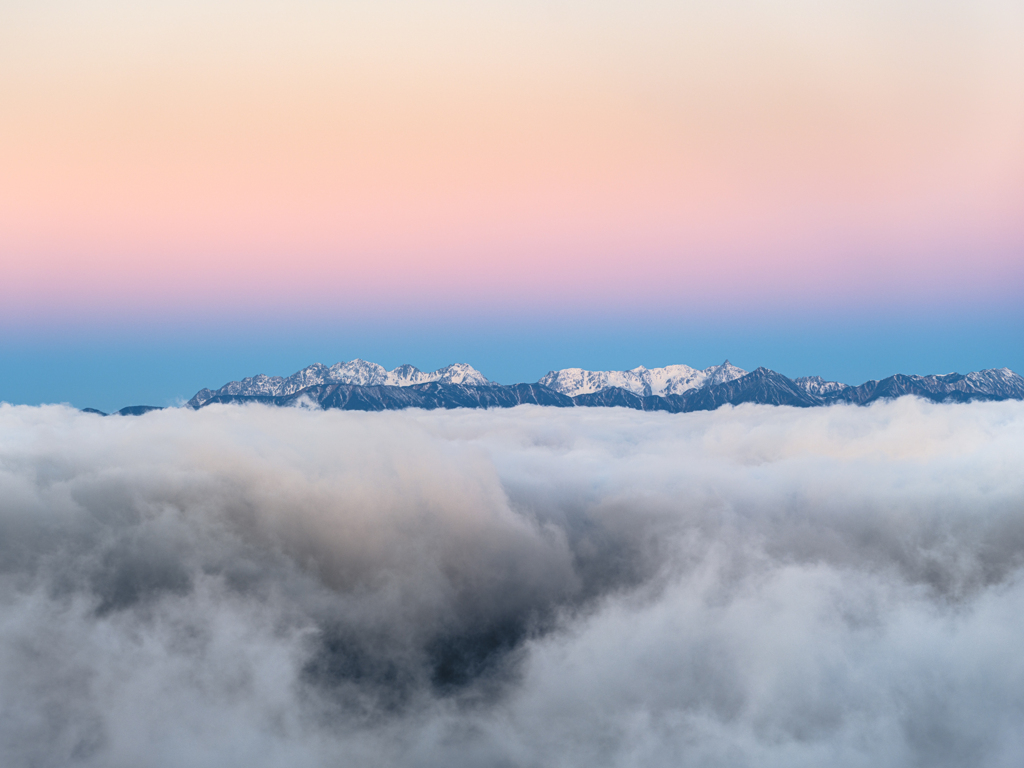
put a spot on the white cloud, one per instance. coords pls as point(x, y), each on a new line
point(750, 586)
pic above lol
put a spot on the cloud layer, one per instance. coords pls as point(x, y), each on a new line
point(751, 586)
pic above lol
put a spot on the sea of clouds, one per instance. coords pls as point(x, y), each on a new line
point(755, 586)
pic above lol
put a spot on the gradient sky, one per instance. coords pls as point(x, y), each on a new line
point(194, 192)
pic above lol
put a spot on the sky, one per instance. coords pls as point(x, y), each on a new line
point(195, 192)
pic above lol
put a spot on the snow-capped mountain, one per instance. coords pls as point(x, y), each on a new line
point(457, 373)
point(360, 385)
point(355, 372)
point(996, 381)
point(670, 380)
point(991, 384)
point(816, 385)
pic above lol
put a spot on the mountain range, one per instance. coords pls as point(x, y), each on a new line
point(365, 386)
point(355, 372)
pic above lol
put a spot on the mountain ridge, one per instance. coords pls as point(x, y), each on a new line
point(359, 385)
point(670, 380)
point(357, 372)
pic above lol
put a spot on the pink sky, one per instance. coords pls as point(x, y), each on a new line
point(163, 158)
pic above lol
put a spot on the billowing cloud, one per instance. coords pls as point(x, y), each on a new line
point(282, 587)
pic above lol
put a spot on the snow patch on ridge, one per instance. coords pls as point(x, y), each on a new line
point(816, 385)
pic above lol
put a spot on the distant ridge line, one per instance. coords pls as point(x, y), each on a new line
point(461, 386)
